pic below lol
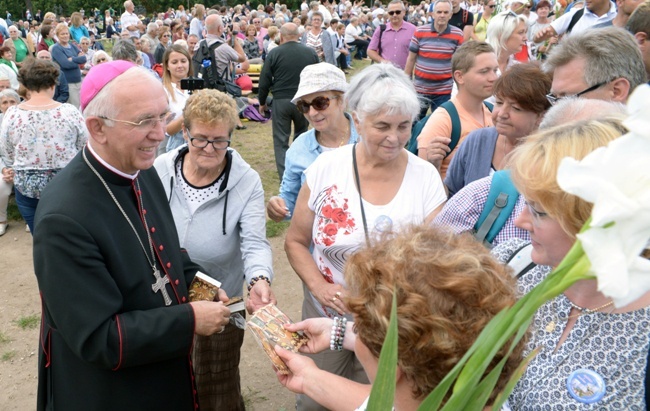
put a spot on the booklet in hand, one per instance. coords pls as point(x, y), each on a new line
point(266, 324)
point(204, 288)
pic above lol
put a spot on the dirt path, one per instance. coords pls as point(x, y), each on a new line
point(20, 306)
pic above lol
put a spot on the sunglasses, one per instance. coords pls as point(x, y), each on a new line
point(395, 12)
point(320, 103)
point(490, 6)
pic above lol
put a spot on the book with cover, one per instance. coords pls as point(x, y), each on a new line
point(204, 288)
point(266, 324)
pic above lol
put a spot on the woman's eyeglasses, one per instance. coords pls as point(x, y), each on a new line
point(319, 103)
point(394, 12)
point(220, 144)
point(536, 216)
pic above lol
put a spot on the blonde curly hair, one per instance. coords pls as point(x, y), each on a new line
point(210, 107)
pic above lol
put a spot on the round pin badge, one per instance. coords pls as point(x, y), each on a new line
point(383, 224)
point(586, 386)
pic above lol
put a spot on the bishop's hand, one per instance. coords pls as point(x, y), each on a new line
point(209, 317)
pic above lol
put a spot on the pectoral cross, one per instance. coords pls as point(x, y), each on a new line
point(159, 285)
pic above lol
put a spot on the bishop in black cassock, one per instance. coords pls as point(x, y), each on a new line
point(114, 335)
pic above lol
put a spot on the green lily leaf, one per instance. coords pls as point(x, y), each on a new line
point(382, 394)
point(514, 379)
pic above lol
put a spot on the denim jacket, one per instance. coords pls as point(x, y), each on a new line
point(302, 152)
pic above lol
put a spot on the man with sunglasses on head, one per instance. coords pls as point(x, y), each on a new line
point(390, 42)
point(117, 325)
point(281, 74)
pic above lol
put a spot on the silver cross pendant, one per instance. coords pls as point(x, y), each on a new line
point(159, 285)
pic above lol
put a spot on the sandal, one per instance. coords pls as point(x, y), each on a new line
point(241, 127)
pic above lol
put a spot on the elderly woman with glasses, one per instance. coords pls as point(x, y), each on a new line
point(217, 202)
point(356, 192)
point(593, 355)
point(320, 99)
point(507, 35)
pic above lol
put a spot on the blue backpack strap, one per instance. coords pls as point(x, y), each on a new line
point(499, 205)
point(489, 105)
point(415, 132)
point(455, 124)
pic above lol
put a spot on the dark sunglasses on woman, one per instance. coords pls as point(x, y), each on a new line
point(319, 103)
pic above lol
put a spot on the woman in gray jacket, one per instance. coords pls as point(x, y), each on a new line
point(218, 205)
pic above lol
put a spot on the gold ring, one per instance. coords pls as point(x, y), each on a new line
point(334, 299)
point(338, 293)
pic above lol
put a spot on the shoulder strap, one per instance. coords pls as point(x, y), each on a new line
point(489, 105)
point(455, 124)
point(499, 205)
point(574, 19)
point(465, 16)
point(521, 262)
point(415, 132)
point(382, 28)
point(479, 17)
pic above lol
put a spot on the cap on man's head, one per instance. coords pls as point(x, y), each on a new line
point(99, 76)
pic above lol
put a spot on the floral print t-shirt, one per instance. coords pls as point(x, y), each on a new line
point(38, 144)
point(338, 231)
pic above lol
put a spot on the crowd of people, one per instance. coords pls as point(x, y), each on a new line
point(425, 175)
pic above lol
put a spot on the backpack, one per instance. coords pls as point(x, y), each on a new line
point(500, 202)
point(456, 128)
point(205, 67)
point(574, 19)
point(252, 113)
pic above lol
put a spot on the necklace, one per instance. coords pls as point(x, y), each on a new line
point(159, 285)
point(550, 327)
point(346, 137)
point(589, 310)
point(40, 105)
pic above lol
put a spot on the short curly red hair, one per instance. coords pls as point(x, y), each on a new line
point(448, 288)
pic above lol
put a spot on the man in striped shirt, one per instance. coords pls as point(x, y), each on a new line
point(429, 59)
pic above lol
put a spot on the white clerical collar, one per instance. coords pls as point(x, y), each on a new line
point(110, 167)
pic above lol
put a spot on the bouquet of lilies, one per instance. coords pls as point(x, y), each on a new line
point(616, 179)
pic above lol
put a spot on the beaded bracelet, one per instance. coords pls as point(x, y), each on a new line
point(338, 333)
point(256, 279)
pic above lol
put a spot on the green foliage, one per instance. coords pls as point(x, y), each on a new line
point(252, 396)
point(9, 355)
point(382, 394)
point(29, 322)
point(274, 229)
point(12, 211)
point(4, 338)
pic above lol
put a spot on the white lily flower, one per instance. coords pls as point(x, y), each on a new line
point(616, 179)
